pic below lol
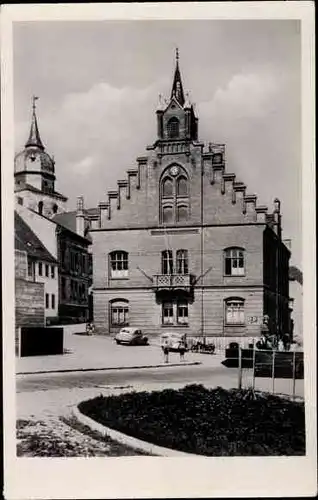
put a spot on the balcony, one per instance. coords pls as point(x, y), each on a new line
point(172, 282)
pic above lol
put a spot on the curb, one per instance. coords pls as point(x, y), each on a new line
point(69, 370)
point(130, 441)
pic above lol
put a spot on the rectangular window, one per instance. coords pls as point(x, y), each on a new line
point(53, 301)
point(52, 271)
point(119, 265)
point(40, 269)
point(119, 315)
point(182, 313)
point(182, 262)
point(47, 305)
point(167, 313)
point(20, 200)
point(30, 268)
point(167, 262)
point(63, 288)
point(234, 262)
point(175, 313)
point(46, 270)
point(235, 313)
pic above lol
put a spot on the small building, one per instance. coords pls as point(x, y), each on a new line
point(41, 266)
point(180, 245)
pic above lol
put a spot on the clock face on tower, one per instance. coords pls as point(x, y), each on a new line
point(174, 170)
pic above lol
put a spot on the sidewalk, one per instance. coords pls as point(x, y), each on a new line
point(84, 353)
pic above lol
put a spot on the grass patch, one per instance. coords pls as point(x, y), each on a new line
point(211, 422)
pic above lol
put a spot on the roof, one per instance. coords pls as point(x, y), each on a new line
point(26, 240)
point(177, 88)
point(25, 186)
point(34, 136)
point(295, 274)
point(68, 220)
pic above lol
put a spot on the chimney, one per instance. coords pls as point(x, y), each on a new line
point(80, 217)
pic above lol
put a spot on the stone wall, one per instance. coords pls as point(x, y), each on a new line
point(29, 303)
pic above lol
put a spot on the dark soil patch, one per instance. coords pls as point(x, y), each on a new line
point(212, 422)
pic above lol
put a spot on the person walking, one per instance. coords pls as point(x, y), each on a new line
point(182, 349)
point(165, 349)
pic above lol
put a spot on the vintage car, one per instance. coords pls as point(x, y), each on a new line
point(131, 336)
point(173, 340)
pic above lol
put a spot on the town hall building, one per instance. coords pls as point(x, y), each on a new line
point(180, 245)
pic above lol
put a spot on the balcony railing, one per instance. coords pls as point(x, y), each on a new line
point(172, 281)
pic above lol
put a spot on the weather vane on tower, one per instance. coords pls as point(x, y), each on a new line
point(34, 98)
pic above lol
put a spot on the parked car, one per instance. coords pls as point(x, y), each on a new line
point(173, 340)
point(131, 336)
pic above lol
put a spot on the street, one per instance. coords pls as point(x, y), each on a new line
point(96, 365)
point(45, 401)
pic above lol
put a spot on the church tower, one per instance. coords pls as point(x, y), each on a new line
point(176, 118)
point(34, 174)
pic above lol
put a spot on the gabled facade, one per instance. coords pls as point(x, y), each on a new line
point(180, 244)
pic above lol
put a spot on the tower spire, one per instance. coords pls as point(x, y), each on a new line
point(34, 136)
point(177, 89)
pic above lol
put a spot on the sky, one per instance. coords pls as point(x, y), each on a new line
point(98, 84)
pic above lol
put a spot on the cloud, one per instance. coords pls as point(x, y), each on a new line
point(95, 135)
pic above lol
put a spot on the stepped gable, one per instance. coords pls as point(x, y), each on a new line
point(137, 198)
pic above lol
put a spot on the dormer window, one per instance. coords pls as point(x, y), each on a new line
point(173, 128)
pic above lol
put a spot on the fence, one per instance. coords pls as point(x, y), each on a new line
point(268, 370)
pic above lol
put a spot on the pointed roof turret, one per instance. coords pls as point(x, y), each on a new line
point(34, 136)
point(177, 89)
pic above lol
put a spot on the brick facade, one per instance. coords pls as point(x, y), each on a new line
point(180, 197)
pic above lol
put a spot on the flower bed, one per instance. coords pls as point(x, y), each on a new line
point(211, 422)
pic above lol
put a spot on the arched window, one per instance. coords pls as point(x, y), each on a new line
point(182, 262)
point(119, 313)
point(174, 195)
point(167, 188)
point(118, 264)
point(55, 208)
point(182, 186)
point(234, 311)
point(40, 207)
point(173, 128)
point(234, 264)
point(167, 262)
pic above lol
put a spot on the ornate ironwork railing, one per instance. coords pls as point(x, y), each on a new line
point(172, 281)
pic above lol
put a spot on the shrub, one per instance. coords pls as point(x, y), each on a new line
point(213, 422)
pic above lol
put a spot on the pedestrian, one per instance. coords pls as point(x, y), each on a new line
point(165, 349)
point(281, 346)
point(182, 349)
